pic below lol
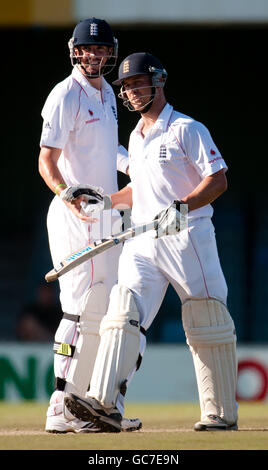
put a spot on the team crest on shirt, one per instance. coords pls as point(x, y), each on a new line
point(163, 151)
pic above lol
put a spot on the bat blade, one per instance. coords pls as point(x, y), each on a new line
point(84, 254)
point(79, 257)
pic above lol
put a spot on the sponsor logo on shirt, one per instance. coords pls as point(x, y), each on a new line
point(92, 120)
point(213, 152)
point(47, 125)
point(214, 160)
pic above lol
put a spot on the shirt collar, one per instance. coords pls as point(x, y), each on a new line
point(164, 117)
point(162, 121)
point(89, 89)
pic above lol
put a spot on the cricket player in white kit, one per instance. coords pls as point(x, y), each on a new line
point(79, 145)
point(173, 162)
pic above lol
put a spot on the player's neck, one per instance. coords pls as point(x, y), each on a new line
point(152, 115)
point(95, 82)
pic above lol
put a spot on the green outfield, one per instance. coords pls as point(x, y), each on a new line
point(165, 426)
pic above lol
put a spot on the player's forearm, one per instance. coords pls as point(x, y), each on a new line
point(207, 191)
point(122, 199)
point(48, 169)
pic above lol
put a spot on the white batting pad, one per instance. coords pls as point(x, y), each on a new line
point(210, 334)
point(82, 364)
point(119, 347)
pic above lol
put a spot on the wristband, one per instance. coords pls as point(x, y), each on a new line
point(59, 186)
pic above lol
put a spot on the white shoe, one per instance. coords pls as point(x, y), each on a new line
point(60, 425)
point(129, 425)
point(214, 423)
point(85, 409)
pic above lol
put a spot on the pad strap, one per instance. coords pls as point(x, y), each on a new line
point(138, 364)
point(59, 384)
point(70, 316)
point(142, 330)
point(64, 349)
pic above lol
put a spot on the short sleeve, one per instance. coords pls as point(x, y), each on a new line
point(201, 149)
point(58, 119)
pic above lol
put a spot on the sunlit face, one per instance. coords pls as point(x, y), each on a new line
point(138, 91)
point(92, 58)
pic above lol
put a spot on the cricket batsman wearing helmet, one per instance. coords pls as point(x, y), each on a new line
point(173, 161)
point(79, 145)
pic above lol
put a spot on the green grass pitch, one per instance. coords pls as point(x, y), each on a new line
point(165, 426)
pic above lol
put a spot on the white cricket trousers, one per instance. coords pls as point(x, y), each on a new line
point(67, 234)
point(188, 260)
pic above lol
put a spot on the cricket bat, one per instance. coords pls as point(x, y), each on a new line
point(93, 249)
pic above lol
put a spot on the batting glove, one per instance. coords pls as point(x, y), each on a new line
point(171, 220)
point(91, 206)
point(91, 193)
point(94, 199)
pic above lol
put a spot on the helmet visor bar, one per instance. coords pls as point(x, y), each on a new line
point(95, 65)
point(103, 64)
point(127, 101)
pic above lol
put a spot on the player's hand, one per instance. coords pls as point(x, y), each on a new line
point(84, 199)
point(77, 210)
point(171, 220)
point(83, 192)
point(91, 206)
point(90, 197)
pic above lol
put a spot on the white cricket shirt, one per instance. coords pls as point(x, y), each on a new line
point(169, 162)
point(82, 121)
